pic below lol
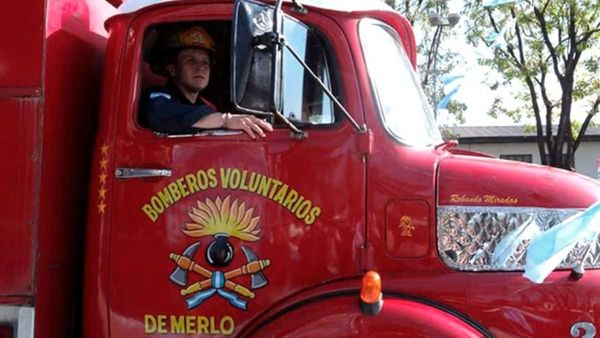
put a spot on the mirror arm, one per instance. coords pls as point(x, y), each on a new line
point(297, 133)
point(298, 8)
point(270, 40)
point(274, 40)
point(277, 12)
point(275, 35)
point(361, 128)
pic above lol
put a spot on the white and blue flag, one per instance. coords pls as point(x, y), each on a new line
point(451, 85)
point(547, 250)
point(494, 3)
point(443, 104)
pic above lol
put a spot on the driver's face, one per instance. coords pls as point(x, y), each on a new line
point(192, 69)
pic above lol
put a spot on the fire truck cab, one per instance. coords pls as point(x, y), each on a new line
point(218, 234)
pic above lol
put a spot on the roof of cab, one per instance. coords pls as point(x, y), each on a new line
point(346, 5)
point(335, 5)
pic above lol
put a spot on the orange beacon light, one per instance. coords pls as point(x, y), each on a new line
point(371, 300)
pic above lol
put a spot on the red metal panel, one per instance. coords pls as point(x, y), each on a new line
point(407, 228)
point(73, 62)
point(130, 259)
point(95, 312)
point(72, 86)
point(480, 181)
point(511, 306)
point(22, 25)
point(19, 175)
point(395, 172)
point(301, 252)
point(341, 317)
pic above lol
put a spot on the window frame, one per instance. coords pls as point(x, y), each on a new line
point(336, 86)
point(517, 157)
point(141, 31)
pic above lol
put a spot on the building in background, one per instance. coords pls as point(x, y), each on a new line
point(519, 143)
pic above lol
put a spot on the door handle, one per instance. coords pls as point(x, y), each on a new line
point(123, 173)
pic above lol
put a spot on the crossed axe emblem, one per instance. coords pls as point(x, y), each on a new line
point(216, 282)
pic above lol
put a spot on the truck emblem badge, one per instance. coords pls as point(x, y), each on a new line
point(586, 328)
point(406, 226)
point(221, 220)
point(262, 21)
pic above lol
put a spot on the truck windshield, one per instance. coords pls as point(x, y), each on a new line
point(404, 110)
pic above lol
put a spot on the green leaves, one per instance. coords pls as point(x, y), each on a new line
point(544, 42)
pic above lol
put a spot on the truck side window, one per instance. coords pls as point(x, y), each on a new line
point(304, 101)
point(161, 43)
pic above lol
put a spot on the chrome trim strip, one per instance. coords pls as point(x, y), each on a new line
point(22, 319)
point(125, 173)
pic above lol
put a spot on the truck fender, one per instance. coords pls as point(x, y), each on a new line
point(338, 314)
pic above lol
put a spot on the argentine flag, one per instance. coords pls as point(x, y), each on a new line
point(549, 248)
point(451, 85)
point(494, 3)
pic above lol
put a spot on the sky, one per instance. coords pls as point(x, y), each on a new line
point(477, 96)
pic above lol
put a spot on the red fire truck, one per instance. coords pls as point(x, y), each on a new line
point(217, 234)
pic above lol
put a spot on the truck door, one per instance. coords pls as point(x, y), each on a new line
point(207, 231)
point(402, 180)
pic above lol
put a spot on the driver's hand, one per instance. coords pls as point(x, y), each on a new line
point(249, 124)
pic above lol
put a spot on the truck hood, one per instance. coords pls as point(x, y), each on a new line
point(489, 210)
point(481, 181)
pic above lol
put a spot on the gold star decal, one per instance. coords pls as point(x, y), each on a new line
point(102, 178)
point(103, 164)
point(102, 208)
point(104, 149)
point(102, 193)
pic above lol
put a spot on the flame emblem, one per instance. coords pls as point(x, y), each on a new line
point(220, 219)
point(223, 217)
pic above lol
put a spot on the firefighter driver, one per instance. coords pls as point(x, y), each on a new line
point(178, 108)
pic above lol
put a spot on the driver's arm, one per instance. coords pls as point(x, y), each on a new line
point(249, 124)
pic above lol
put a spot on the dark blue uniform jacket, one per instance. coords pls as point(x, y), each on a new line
point(167, 110)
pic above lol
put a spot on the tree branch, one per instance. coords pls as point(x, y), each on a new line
point(545, 6)
point(560, 33)
point(549, 107)
point(525, 72)
point(431, 55)
point(587, 35)
point(545, 36)
point(492, 21)
point(519, 39)
point(538, 119)
point(566, 83)
point(586, 123)
point(509, 50)
point(572, 35)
